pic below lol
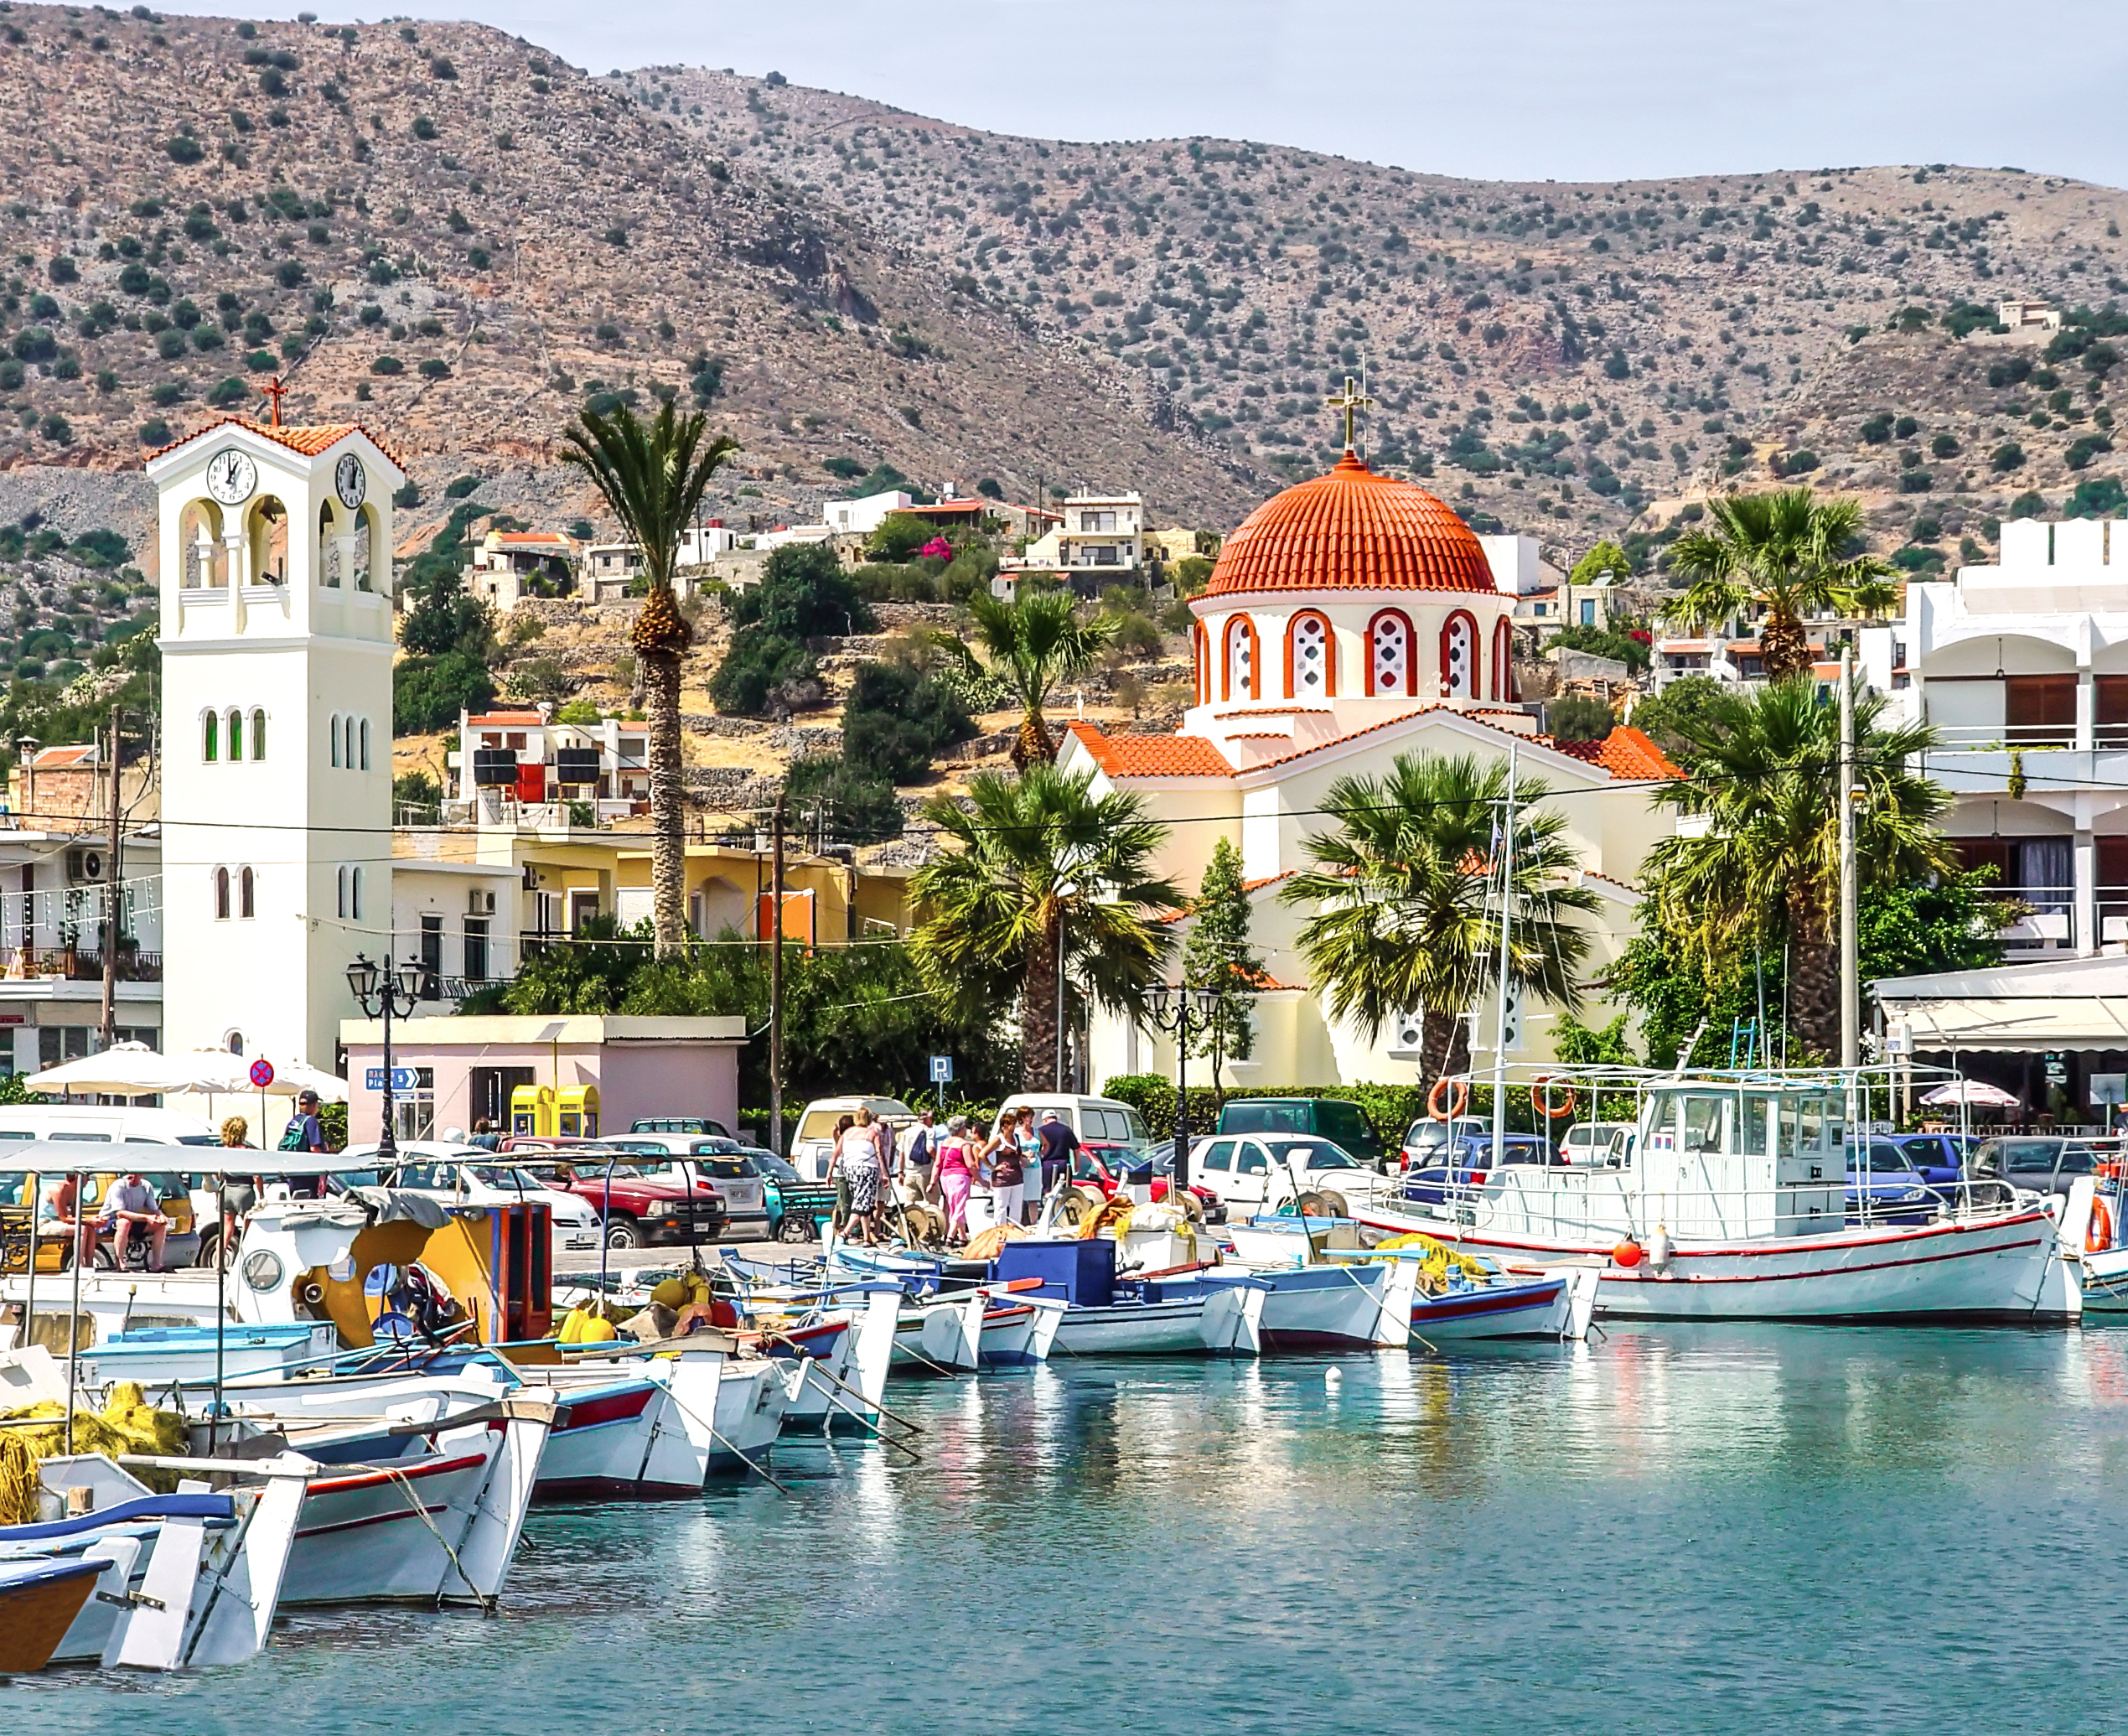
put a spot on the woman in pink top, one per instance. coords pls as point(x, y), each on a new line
point(955, 1175)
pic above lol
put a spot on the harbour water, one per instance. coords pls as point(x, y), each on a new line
point(1720, 1529)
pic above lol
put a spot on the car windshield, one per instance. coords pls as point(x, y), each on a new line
point(594, 1173)
point(776, 1167)
point(1310, 1154)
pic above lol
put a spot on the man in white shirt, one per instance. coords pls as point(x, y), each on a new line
point(130, 1205)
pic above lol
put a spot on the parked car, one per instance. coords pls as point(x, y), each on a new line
point(1106, 1166)
point(700, 1124)
point(1091, 1118)
point(1334, 1119)
point(1466, 1163)
point(469, 1175)
point(102, 1123)
point(1890, 1190)
point(811, 1143)
point(1941, 1157)
point(720, 1167)
point(1253, 1176)
point(1425, 1139)
point(1598, 1145)
point(2042, 1162)
point(637, 1211)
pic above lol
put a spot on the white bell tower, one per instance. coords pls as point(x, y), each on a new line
point(277, 641)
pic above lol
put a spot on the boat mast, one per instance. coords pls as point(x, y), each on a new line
point(1500, 1031)
point(1849, 913)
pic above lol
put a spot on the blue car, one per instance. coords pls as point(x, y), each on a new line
point(1890, 1190)
point(1467, 1162)
point(1940, 1158)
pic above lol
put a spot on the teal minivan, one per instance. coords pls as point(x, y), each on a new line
point(1331, 1118)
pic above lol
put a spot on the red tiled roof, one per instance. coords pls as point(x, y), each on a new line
point(505, 720)
point(1352, 530)
point(1624, 752)
point(1256, 885)
point(309, 440)
point(519, 539)
point(1153, 756)
point(60, 758)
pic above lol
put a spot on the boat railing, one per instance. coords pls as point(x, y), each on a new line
point(1568, 1201)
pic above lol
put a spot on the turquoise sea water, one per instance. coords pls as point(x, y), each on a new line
point(1722, 1529)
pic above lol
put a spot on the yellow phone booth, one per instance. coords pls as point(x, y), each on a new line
point(531, 1110)
point(577, 1111)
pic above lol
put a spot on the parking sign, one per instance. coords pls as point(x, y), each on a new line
point(942, 1069)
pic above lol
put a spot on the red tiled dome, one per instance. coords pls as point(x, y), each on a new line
point(1352, 530)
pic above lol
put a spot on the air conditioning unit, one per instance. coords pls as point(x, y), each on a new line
point(84, 867)
point(480, 904)
point(531, 882)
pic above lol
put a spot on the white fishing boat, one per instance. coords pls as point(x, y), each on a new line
point(185, 1580)
point(1731, 1203)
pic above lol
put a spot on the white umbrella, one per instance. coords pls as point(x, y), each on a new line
point(125, 1070)
point(217, 1072)
point(1974, 1093)
point(299, 1076)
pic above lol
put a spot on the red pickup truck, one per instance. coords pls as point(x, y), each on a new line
point(637, 1211)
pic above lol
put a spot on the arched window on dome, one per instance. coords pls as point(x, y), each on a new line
point(1311, 658)
point(1459, 657)
point(1243, 666)
point(1502, 659)
point(1200, 653)
point(1391, 669)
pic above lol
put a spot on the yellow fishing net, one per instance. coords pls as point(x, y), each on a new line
point(1440, 1259)
point(127, 1423)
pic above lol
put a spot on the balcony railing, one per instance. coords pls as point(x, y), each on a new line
point(74, 964)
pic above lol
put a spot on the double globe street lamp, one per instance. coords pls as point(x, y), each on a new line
point(391, 992)
point(1179, 1008)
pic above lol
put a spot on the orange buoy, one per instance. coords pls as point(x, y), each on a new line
point(1628, 1253)
point(1457, 1092)
point(2098, 1229)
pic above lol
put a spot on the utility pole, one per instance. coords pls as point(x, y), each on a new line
point(112, 881)
point(1850, 904)
point(776, 981)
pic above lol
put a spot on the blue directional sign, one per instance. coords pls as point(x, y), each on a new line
point(402, 1079)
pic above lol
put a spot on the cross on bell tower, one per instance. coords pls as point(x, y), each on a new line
point(1351, 400)
point(273, 391)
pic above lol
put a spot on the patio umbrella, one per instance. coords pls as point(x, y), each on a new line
point(1974, 1093)
point(125, 1070)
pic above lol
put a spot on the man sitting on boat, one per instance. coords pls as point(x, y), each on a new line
point(130, 1205)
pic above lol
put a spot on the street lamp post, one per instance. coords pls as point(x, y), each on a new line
point(380, 989)
point(1170, 1006)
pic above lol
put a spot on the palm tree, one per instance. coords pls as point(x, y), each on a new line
point(1033, 644)
point(1765, 864)
point(653, 475)
point(1406, 906)
point(1045, 874)
point(1787, 553)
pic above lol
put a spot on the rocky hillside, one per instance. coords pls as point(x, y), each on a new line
point(1561, 357)
point(447, 232)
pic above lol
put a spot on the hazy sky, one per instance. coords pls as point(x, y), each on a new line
point(1518, 89)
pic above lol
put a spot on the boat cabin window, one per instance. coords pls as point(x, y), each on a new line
point(1255, 1160)
point(1759, 1127)
point(1705, 1117)
point(1219, 1155)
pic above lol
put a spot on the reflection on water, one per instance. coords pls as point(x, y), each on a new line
point(1717, 1528)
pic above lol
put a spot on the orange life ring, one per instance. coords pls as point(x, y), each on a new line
point(1458, 1092)
point(2098, 1229)
point(1544, 1083)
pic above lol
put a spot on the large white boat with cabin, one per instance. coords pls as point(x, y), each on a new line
point(1730, 1201)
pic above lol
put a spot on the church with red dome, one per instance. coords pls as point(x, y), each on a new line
point(1351, 619)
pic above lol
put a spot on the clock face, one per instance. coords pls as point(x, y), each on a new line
point(232, 477)
point(350, 480)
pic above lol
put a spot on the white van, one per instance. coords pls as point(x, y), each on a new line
point(99, 1122)
point(812, 1143)
point(1102, 1120)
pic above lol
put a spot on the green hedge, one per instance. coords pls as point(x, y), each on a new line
point(1390, 1109)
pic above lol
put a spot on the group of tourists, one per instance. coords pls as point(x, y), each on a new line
point(1014, 1167)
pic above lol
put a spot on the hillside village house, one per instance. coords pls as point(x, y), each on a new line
point(505, 565)
point(1348, 620)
